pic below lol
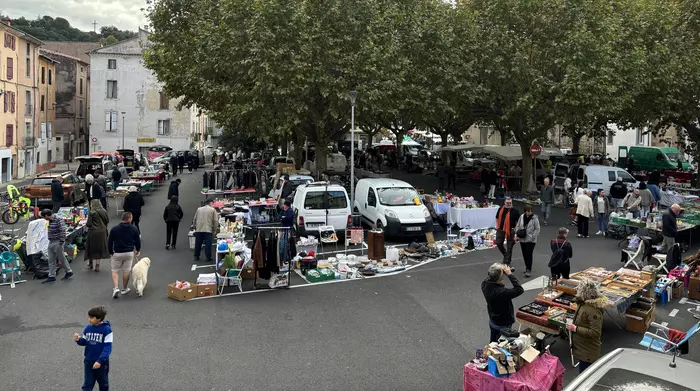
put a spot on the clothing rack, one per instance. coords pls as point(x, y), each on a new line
point(233, 178)
point(289, 267)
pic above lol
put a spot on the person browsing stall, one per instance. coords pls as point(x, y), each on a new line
point(206, 225)
point(57, 237)
point(506, 220)
point(57, 195)
point(428, 202)
point(287, 214)
point(587, 327)
point(499, 298)
point(669, 226)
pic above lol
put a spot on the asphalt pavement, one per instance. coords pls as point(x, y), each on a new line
point(411, 331)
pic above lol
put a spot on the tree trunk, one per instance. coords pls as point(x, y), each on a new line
point(443, 154)
point(576, 143)
point(399, 138)
point(528, 169)
point(285, 151)
point(504, 138)
point(321, 160)
point(370, 139)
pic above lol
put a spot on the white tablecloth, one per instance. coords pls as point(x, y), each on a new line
point(442, 209)
point(473, 218)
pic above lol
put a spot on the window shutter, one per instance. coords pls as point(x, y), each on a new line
point(9, 135)
point(4, 101)
point(107, 122)
point(12, 102)
point(114, 121)
point(10, 68)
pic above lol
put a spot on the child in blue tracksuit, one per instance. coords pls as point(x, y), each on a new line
point(97, 339)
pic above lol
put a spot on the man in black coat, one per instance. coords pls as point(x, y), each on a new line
point(618, 192)
point(499, 299)
point(173, 164)
point(57, 196)
point(181, 162)
point(669, 226)
point(174, 189)
point(116, 178)
point(133, 203)
point(92, 189)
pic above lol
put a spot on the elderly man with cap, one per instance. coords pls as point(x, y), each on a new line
point(57, 237)
point(499, 299)
point(669, 227)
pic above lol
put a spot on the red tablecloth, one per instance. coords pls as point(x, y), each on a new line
point(546, 373)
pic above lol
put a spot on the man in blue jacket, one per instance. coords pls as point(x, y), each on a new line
point(97, 338)
point(57, 193)
point(124, 243)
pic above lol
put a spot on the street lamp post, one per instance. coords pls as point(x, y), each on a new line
point(123, 127)
point(353, 96)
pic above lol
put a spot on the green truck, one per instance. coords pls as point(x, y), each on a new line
point(652, 158)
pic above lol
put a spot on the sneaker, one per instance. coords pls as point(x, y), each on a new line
point(167, 247)
point(527, 273)
point(579, 235)
point(126, 291)
point(599, 233)
point(67, 276)
point(49, 280)
point(115, 293)
point(585, 237)
point(172, 247)
point(545, 223)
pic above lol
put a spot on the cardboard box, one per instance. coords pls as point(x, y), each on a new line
point(182, 294)
point(247, 274)
point(677, 291)
point(694, 288)
point(639, 317)
point(204, 290)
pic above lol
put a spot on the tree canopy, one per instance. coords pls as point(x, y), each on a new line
point(47, 28)
point(281, 70)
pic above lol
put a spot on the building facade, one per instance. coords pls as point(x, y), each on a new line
point(19, 91)
point(72, 84)
point(46, 144)
point(128, 108)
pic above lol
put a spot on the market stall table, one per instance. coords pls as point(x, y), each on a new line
point(472, 217)
point(668, 199)
point(545, 373)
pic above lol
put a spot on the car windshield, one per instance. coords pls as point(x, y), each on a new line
point(42, 181)
point(397, 196)
point(675, 157)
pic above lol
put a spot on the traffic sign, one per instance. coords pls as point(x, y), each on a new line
point(94, 139)
point(535, 150)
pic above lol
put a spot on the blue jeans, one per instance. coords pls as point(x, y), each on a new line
point(546, 210)
point(114, 185)
point(617, 203)
point(602, 222)
point(99, 376)
point(635, 214)
point(199, 238)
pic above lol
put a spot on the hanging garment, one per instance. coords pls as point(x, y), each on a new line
point(272, 250)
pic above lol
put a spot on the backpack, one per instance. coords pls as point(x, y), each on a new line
point(558, 258)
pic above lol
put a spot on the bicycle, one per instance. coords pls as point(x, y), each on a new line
point(17, 206)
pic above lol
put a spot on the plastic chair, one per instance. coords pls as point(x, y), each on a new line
point(632, 255)
point(327, 235)
point(451, 238)
point(659, 341)
point(662, 261)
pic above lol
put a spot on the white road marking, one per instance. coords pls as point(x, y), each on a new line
point(673, 313)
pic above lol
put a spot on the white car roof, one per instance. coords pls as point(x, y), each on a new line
point(385, 182)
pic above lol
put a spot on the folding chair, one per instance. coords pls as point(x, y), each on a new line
point(634, 256)
point(327, 235)
point(661, 258)
point(660, 341)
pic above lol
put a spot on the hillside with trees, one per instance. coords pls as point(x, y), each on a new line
point(47, 28)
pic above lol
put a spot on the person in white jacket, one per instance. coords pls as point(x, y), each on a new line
point(529, 225)
point(584, 212)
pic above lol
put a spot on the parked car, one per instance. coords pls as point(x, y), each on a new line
point(634, 369)
point(89, 164)
point(336, 163)
point(321, 204)
point(39, 191)
point(164, 158)
point(593, 176)
point(650, 158)
point(391, 205)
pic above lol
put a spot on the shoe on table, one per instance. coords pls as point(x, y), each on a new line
point(126, 291)
point(49, 280)
point(115, 293)
point(67, 276)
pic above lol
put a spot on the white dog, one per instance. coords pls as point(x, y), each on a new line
point(139, 275)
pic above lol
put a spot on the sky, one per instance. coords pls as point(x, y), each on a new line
point(123, 14)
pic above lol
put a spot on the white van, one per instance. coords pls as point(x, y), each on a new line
point(594, 177)
point(319, 204)
point(335, 163)
point(391, 205)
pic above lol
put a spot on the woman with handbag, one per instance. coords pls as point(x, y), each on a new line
point(526, 232)
point(562, 252)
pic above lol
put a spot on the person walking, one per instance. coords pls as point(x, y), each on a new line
point(116, 178)
point(123, 243)
point(172, 215)
point(57, 237)
point(559, 263)
point(602, 206)
point(102, 181)
point(173, 163)
point(647, 198)
point(174, 188)
point(452, 176)
point(196, 160)
point(96, 245)
point(547, 199)
point(206, 225)
point(631, 202)
point(493, 181)
point(584, 212)
point(92, 189)
point(57, 195)
point(618, 191)
point(506, 219)
point(526, 232)
point(124, 172)
point(441, 174)
point(181, 162)
point(587, 327)
point(133, 203)
point(190, 162)
point(669, 227)
point(97, 337)
point(499, 299)
point(567, 191)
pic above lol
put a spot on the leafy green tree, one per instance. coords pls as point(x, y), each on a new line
point(110, 40)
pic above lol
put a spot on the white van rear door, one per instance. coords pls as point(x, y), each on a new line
point(314, 209)
point(338, 209)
